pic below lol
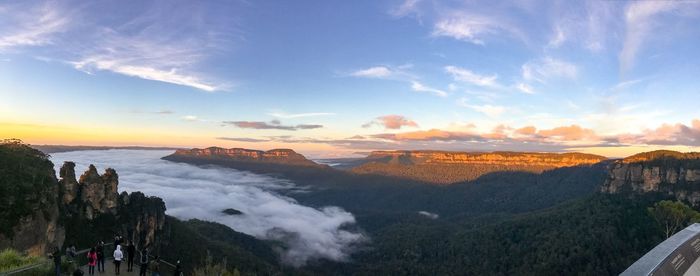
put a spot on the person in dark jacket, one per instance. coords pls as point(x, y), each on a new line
point(178, 269)
point(56, 256)
point(130, 252)
point(143, 262)
point(100, 256)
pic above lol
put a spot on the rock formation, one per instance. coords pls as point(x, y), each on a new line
point(99, 192)
point(143, 218)
point(443, 167)
point(135, 216)
point(668, 172)
point(275, 156)
point(68, 183)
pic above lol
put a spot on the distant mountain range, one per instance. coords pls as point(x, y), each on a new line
point(438, 167)
point(444, 167)
point(64, 148)
point(275, 156)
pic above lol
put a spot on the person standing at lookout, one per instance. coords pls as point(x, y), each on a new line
point(56, 256)
point(118, 257)
point(100, 250)
point(143, 262)
point(130, 251)
point(92, 261)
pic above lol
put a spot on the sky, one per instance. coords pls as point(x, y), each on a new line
point(334, 78)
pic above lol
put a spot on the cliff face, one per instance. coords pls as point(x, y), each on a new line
point(554, 160)
point(672, 173)
point(275, 156)
point(29, 208)
point(143, 218)
point(443, 167)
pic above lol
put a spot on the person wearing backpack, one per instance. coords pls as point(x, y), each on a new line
point(92, 261)
point(143, 262)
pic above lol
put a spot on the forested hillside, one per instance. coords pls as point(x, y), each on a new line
point(596, 235)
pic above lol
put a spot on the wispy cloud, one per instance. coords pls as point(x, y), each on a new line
point(525, 88)
point(158, 42)
point(640, 21)
point(419, 87)
point(242, 139)
point(274, 124)
point(391, 122)
point(486, 109)
point(34, 26)
point(465, 75)
point(406, 8)
point(373, 72)
point(546, 68)
point(299, 115)
point(472, 28)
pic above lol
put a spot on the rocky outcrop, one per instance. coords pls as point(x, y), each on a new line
point(68, 184)
point(668, 172)
point(96, 203)
point(275, 156)
point(443, 167)
point(143, 218)
point(98, 192)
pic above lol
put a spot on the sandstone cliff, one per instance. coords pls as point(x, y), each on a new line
point(444, 167)
point(96, 206)
point(275, 156)
point(668, 172)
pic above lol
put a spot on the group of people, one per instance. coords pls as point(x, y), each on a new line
point(96, 258)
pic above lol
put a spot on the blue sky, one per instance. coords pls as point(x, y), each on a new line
point(335, 77)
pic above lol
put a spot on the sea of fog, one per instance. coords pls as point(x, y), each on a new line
point(203, 192)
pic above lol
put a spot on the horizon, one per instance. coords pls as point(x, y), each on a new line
point(312, 156)
point(613, 78)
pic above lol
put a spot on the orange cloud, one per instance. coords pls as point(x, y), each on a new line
point(392, 122)
point(569, 133)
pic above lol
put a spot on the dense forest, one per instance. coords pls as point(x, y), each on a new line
point(596, 235)
point(26, 178)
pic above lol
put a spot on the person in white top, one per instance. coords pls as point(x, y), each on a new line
point(118, 257)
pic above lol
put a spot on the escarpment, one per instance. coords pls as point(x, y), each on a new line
point(443, 167)
point(668, 172)
point(275, 156)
